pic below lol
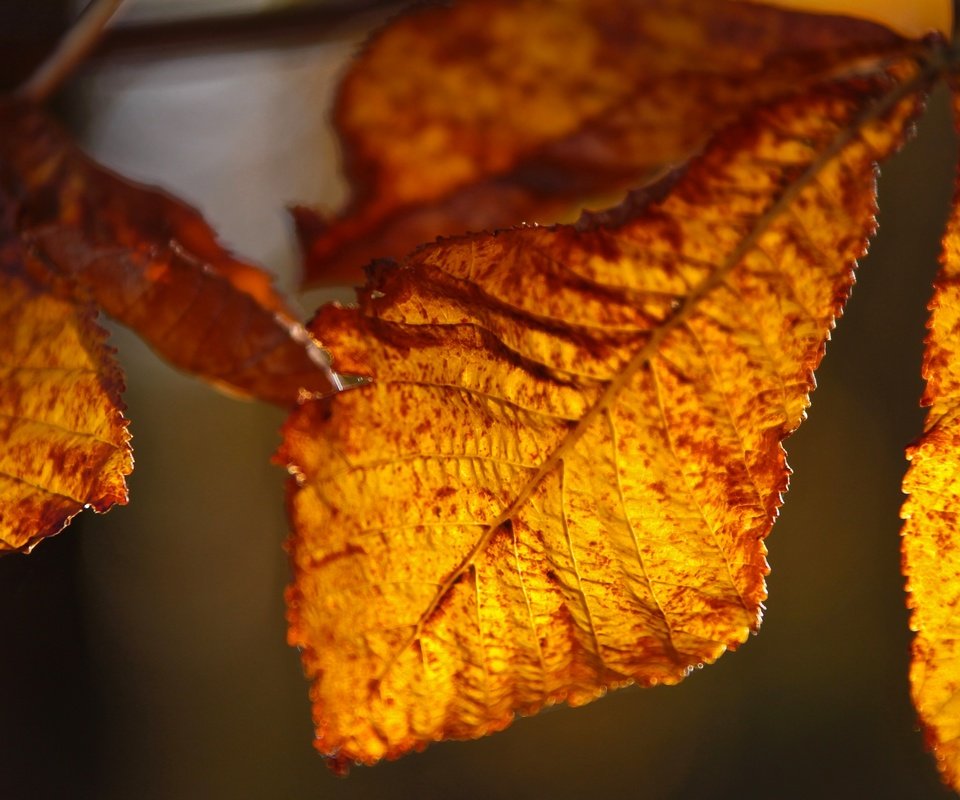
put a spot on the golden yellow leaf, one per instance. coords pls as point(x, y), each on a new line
point(562, 474)
point(486, 113)
point(64, 444)
point(931, 513)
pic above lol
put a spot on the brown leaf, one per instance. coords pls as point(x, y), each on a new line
point(931, 513)
point(562, 475)
point(487, 113)
point(154, 264)
point(64, 444)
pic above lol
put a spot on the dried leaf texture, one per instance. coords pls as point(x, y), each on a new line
point(64, 444)
point(154, 264)
point(488, 113)
point(561, 477)
point(931, 548)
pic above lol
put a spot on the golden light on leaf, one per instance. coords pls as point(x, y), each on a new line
point(931, 530)
point(63, 439)
point(486, 113)
point(561, 477)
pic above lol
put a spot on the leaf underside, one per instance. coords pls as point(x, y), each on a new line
point(484, 113)
point(931, 550)
point(562, 475)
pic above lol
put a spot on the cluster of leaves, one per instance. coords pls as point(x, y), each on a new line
point(76, 238)
point(563, 454)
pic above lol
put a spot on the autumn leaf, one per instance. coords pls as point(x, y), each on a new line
point(64, 443)
point(63, 439)
point(523, 111)
point(931, 550)
point(154, 264)
point(561, 477)
point(76, 238)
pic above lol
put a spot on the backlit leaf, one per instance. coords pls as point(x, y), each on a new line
point(561, 477)
point(63, 439)
point(931, 548)
point(486, 113)
point(154, 264)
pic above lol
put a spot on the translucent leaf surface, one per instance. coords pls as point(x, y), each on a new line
point(931, 531)
point(63, 439)
point(562, 474)
point(487, 113)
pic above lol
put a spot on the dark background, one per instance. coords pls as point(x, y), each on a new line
point(142, 653)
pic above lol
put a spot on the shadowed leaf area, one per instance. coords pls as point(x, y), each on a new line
point(75, 238)
point(487, 113)
point(561, 476)
point(154, 264)
point(931, 552)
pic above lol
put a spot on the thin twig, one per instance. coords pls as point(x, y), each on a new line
point(73, 48)
point(269, 27)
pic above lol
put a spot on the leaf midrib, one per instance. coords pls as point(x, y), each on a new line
point(935, 64)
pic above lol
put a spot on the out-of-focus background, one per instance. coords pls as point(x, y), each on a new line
point(142, 654)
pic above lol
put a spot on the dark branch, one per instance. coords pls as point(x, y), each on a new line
point(299, 24)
